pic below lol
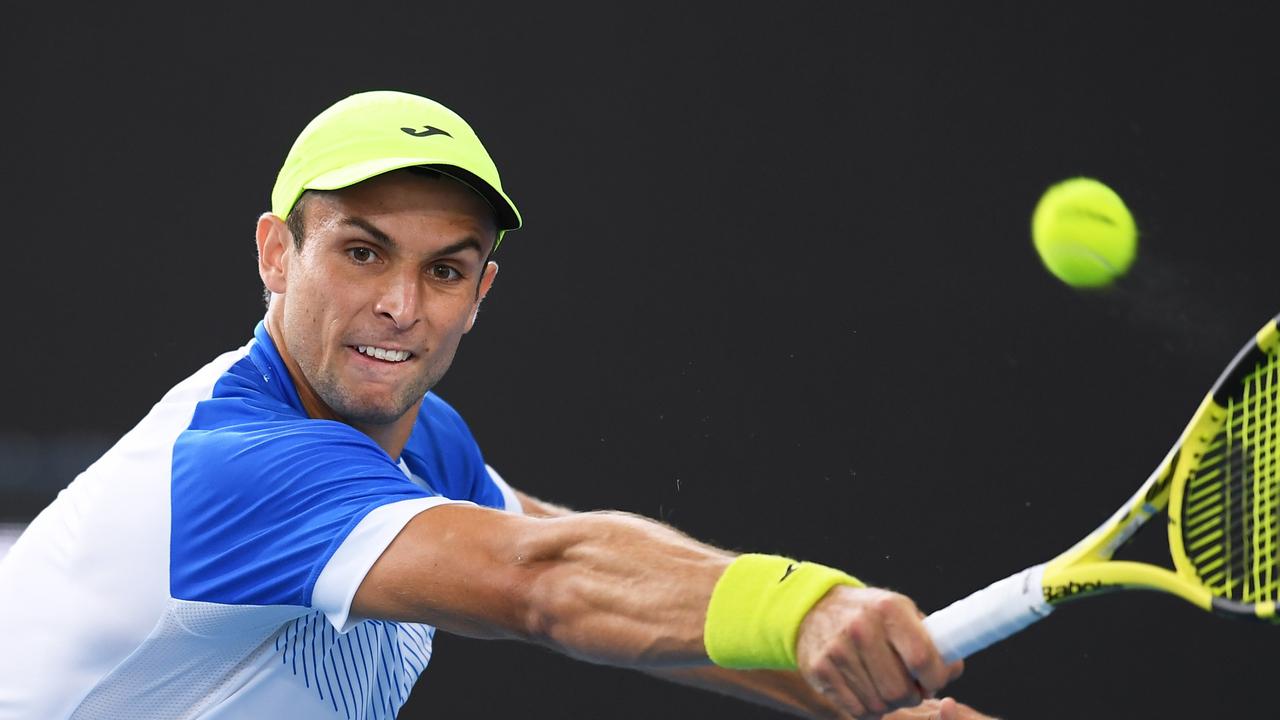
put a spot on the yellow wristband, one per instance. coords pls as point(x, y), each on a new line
point(757, 606)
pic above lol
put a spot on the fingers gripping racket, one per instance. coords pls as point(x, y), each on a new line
point(1220, 488)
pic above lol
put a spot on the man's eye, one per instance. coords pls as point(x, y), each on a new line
point(361, 255)
point(445, 272)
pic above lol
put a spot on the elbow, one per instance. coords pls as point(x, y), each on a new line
point(540, 621)
point(542, 596)
point(543, 588)
point(559, 616)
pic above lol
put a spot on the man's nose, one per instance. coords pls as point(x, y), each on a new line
point(399, 300)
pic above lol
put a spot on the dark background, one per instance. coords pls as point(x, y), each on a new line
point(775, 286)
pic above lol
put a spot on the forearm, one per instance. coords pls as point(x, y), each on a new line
point(604, 587)
point(883, 659)
point(862, 649)
point(620, 589)
point(782, 690)
point(761, 687)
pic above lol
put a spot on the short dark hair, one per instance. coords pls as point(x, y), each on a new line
point(296, 222)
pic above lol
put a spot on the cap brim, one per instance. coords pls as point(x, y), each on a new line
point(504, 210)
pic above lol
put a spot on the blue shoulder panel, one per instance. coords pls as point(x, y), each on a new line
point(443, 452)
point(262, 495)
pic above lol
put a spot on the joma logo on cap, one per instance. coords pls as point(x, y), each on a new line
point(426, 131)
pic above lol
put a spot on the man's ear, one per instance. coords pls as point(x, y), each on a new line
point(274, 241)
point(486, 282)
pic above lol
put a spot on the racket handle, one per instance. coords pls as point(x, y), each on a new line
point(989, 615)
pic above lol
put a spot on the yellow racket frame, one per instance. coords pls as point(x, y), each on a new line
point(1087, 568)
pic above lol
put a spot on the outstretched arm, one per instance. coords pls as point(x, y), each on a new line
point(623, 590)
point(783, 690)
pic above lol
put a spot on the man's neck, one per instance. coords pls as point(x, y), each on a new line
point(391, 437)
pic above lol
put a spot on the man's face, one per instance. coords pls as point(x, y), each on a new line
point(383, 289)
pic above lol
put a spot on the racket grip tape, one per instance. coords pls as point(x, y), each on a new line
point(989, 615)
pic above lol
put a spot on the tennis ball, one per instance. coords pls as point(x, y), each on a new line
point(1084, 233)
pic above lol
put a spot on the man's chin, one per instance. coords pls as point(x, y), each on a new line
point(373, 414)
point(370, 404)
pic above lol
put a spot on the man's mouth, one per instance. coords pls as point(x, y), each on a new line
point(384, 354)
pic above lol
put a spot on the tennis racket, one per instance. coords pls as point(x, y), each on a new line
point(1220, 488)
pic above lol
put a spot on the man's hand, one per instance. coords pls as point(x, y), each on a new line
point(866, 651)
point(945, 709)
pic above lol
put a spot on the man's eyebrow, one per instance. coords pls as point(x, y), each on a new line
point(463, 244)
point(385, 239)
point(382, 238)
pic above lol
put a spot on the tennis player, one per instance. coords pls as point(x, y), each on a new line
point(282, 534)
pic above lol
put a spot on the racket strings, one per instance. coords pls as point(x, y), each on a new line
point(1231, 505)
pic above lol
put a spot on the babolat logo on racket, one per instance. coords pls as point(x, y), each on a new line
point(426, 131)
point(1071, 589)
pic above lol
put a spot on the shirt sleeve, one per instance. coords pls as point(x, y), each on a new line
point(511, 501)
point(258, 513)
point(342, 575)
point(443, 452)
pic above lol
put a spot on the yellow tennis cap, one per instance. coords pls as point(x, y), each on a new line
point(372, 133)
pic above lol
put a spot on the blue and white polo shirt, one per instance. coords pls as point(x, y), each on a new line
point(204, 567)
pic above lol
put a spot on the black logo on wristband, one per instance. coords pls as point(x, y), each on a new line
point(791, 567)
point(426, 131)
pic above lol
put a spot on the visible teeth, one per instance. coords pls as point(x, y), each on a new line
point(384, 354)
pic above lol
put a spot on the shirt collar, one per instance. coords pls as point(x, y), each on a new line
point(276, 376)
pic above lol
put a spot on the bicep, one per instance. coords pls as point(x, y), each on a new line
point(458, 567)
